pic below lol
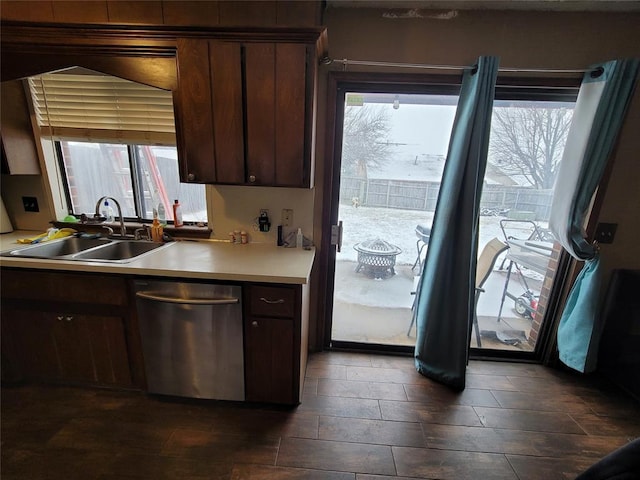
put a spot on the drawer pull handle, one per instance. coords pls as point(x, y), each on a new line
point(272, 302)
point(254, 324)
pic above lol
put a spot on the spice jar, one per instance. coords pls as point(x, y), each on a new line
point(244, 237)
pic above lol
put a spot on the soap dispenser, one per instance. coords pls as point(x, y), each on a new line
point(156, 230)
point(299, 239)
point(107, 212)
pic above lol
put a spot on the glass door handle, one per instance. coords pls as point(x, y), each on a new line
point(336, 235)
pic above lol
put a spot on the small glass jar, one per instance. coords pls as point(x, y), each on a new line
point(232, 237)
point(244, 237)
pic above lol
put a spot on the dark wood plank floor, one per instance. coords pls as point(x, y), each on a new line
point(363, 417)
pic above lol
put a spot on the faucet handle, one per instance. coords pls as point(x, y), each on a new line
point(143, 232)
point(108, 229)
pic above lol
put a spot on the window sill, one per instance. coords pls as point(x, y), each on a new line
point(188, 231)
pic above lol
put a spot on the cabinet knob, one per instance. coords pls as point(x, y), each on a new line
point(252, 178)
point(68, 318)
point(59, 318)
point(254, 324)
point(191, 177)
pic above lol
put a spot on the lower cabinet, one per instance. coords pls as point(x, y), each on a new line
point(268, 360)
point(275, 343)
point(61, 332)
point(82, 328)
point(63, 346)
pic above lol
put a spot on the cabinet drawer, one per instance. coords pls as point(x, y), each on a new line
point(272, 301)
point(46, 286)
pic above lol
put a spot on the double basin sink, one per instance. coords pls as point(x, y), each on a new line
point(89, 249)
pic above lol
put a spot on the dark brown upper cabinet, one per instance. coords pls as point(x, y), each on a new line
point(278, 147)
point(208, 106)
point(19, 152)
point(243, 99)
point(245, 112)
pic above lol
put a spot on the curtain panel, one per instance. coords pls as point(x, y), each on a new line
point(603, 99)
point(446, 292)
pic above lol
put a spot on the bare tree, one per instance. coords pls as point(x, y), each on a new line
point(529, 141)
point(365, 144)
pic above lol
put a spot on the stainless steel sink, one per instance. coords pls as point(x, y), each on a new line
point(89, 250)
point(119, 250)
point(59, 248)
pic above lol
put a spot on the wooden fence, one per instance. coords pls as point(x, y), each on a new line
point(527, 203)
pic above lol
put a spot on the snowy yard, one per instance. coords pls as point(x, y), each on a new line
point(398, 228)
point(379, 311)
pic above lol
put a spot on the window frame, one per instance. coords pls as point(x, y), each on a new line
point(135, 169)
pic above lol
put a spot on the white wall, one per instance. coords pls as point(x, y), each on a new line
point(237, 208)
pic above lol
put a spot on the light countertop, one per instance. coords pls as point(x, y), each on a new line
point(211, 260)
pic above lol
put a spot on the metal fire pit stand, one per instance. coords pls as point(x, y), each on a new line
point(377, 257)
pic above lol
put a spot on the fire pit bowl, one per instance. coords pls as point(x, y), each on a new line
point(377, 257)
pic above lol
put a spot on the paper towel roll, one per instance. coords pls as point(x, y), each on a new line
point(5, 223)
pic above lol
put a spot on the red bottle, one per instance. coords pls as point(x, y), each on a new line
point(177, 214)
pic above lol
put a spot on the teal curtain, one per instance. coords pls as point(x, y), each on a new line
point(604, 97)
point(445, 295)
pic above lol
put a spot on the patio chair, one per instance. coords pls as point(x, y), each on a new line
point(484, 266)
point(423, 233)
point(486, 261)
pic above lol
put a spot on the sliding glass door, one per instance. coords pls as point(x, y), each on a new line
point(393, 153)
point(391, 146)
point(526, 145)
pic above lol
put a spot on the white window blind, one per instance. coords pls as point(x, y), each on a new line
point(97, 108)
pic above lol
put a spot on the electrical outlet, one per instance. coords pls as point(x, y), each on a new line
point(287, 217)
point(264, 212)
point(605, 232)
point(30, 204)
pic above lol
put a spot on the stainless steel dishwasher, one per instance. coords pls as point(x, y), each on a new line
point(191, 338)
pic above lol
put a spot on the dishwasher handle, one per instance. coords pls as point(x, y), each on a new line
point(188, 301)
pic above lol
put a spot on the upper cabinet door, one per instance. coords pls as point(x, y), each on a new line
point(260, 78)
point(194, 119)
point(291, 106)
point(277, 121)
point(227, 103)
point(244, 112)
point(208, 106)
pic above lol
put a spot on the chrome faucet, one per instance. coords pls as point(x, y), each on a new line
point(123, 229)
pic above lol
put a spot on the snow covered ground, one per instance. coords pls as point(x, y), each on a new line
point(379, 310)
point(398, 228)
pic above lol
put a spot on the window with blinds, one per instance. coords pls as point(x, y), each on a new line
point(80, 104)
point(114, 137)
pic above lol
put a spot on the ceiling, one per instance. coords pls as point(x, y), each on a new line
point(539, 5)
